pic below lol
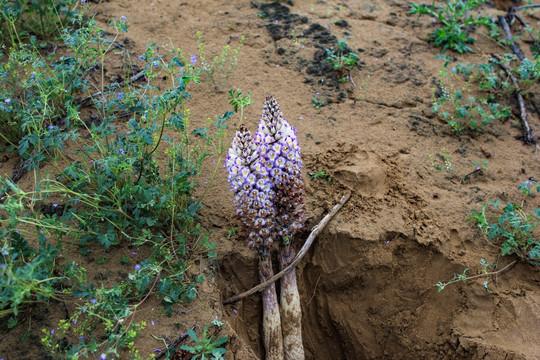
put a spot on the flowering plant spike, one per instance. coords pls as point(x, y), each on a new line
point(279, 144)
point(264, 174)
point(250, 181)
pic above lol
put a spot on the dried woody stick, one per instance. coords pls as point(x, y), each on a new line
point(528, 138)
point(303, 251)
point(513, 13)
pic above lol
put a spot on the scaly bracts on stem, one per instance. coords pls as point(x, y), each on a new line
point(291, 311)
point(254, 201)
point(273, 337)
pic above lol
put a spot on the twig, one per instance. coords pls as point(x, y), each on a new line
point(527, 28)
point(303, 251)
point(493, 272)
point(184, 312)
point(506, 28)
point(528, 6)
point(528, 138)
point(134, 311)
point(314, 290)
point(175, 343)
point(122, 83)
point(421, 118)
point(465, 177)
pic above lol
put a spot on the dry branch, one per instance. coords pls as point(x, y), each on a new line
point(508, 33)
point(528, 137)
point(303, 251)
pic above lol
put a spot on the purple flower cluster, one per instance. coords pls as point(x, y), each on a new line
point(285, 176)
point(264, 174)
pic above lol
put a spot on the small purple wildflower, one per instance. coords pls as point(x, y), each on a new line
point(193, 60)
point(5, 252)
point(453, 70)
point(141, 57)
point(2, 265)
point(121, 151)
point(102, 357)
point(152, 322)
point(137, 267)
point(134, 253)
point(235, 311)
point(120, 95)
point(52, 332)
point(8, 101)
point(157, 350)
point(123, 18)
point(54, 205)
point(83, 309)
point(93, 301)
point(83, 1)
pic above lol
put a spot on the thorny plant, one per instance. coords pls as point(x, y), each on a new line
point(455, 17)
point(114, 192)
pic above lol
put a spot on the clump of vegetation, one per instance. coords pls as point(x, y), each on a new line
point(446, 164)
point(220, 67)
point(321, 175)
point(205, 347)
point(455, 18)
point(471, 107)
point(471, 97)
point(511, 228)
point(114, 189)
point(343, 60)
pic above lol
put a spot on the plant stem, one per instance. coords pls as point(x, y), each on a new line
point(290, 308)
point(303, 251)
point(273, 339)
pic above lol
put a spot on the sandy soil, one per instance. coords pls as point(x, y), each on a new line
point(367, 284)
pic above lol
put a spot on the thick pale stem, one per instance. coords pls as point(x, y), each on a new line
point(290, 307)
point(273, 338)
